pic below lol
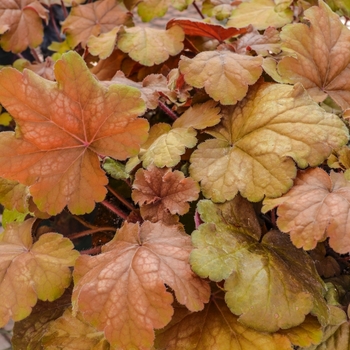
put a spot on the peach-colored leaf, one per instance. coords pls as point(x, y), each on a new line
point(257, 139)
point(29, 272)
point(150, 87)
point(224, 75)
point(317, 207)
point(162, 192)
point(21, 24)
point(215, 327)
point(93, 19)
point(320, 58)
point(122, 291)
point(200, 116)
point(262, 44)
point(14, 195)
point(64, 128)
point(151, 46)
point(209, 30)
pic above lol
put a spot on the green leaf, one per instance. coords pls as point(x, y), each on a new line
point(270, 285)
point(115, 169)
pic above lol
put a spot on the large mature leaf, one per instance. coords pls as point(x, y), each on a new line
point(256, 141)
point(261, 14)
point(320, 55)
point(93, 19)
point(270, 285)
point(126, 283)
point(29, 272)
point(163, 193)
point(315, 208)
point(225, 75)
point(151, 46)
point(214, 328)
point(72, 333)
point(21, 24)
point(63, 128)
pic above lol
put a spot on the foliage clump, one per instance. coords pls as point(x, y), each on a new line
point(176, 187)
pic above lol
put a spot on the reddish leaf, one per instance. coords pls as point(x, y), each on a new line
point(161, 192)
point(21, 24)
point(65, 126)
point(315, 208)
point(31, 271)
point(93, 19)
point(209, 30)
point(126, 283)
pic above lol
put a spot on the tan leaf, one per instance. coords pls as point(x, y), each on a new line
point(224, 75)
point(21, 24)
point(14, 195)
point(93, 19)
point(315, 208)
point(151, 46)
point(103, 45)
point(320, 56)
point(161, 192)
point(129, 277)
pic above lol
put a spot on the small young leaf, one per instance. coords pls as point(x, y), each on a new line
point(13, 195)
point(65, 127)
point(256, 141)
point(151, 46)
point(29, 272)
point(224, 75)
point(126, 283)
point(162, 193)
point(315, 208)
point(103, 45)
point(93, 19)
point(21, 24)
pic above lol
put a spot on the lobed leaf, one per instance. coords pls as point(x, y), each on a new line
point(151, 46)
point(93, 19)
point(214, 328)
point(319, 55)
point(103, 45)
point(256, 141)
point(270, 285)
point(261, 14)
point(163, 193)
point(14, 195)
point(315, 208)
point(29, 272)
point(129, 277)
point(62, 129)
point(21, 24)
point(224, 75)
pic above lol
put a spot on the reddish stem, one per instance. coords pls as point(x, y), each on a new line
point(167, 110)
point(65, 12)
point(58, 34)
point(198, 10)
point(114, 209)
point(273, 217)
point(90, 232)
point(91, 251)
point(121, 198)
point(35, 55)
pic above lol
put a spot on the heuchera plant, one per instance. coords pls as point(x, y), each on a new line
point(185, 187)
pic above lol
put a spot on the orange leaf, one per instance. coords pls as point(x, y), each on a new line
point(93, 19)
point(21, 24)
point(31, 271)
point(315, 208)
point(315, 51)
point(199, 28)
point(64, 128)
point(126, 283)
point(161, 192)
